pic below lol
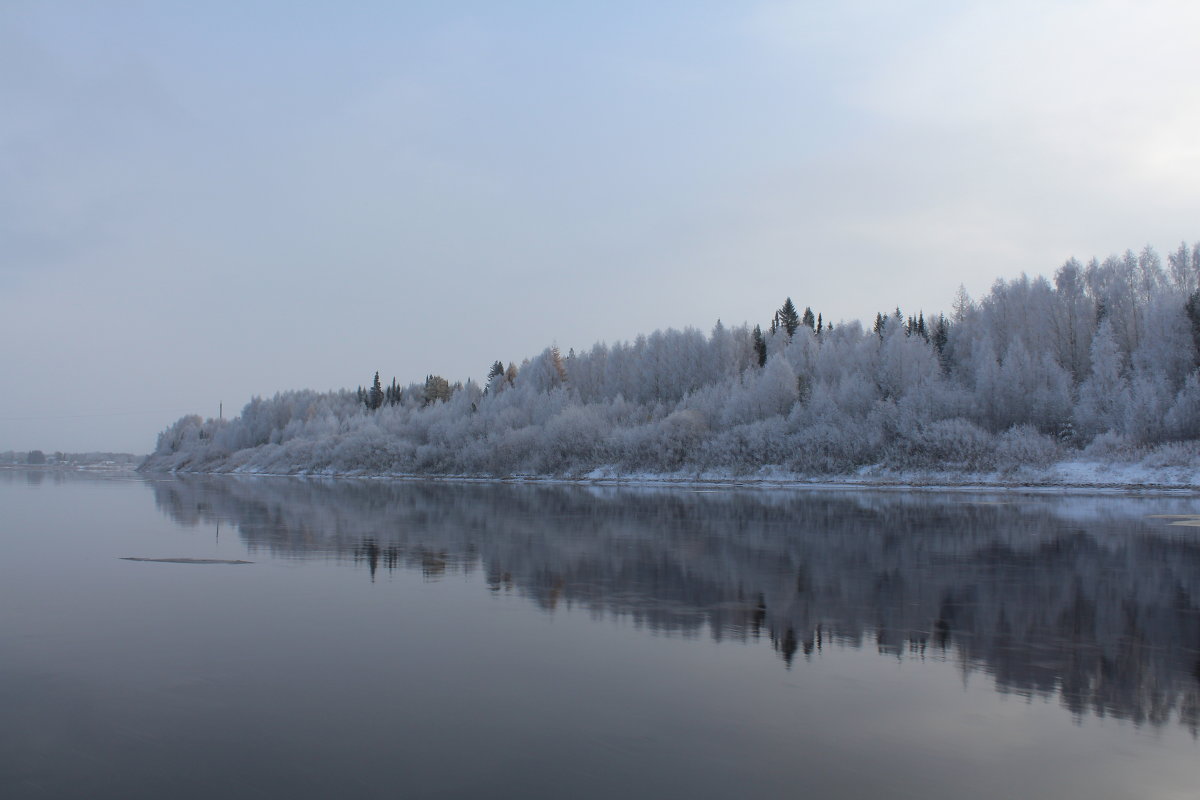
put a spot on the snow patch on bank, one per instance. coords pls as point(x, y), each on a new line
point(1065, 476)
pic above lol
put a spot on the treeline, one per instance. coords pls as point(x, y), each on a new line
point(436, 389)
point(1103, 358)
point(38, 458)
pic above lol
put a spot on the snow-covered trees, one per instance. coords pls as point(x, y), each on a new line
point(1110, 349)
point(1104, 394)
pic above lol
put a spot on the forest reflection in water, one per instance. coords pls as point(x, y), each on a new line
point(1093, 599)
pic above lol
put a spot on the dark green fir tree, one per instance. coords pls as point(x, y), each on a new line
point(789, 319)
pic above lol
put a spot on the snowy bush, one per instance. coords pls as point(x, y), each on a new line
point(1023, 446)
point(947, 444)
point(1112, 446)
point(1174, 454)
point(827, 448)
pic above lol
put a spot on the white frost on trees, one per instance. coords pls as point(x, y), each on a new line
point(1105, 350)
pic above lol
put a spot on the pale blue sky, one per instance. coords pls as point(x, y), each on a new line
point(203, 202)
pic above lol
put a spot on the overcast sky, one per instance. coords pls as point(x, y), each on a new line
point(200, 202)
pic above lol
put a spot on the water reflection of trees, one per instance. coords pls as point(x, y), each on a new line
point(1086, 598)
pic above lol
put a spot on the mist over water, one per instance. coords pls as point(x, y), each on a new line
point(440, 639)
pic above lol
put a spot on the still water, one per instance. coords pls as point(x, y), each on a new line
point(489, 640)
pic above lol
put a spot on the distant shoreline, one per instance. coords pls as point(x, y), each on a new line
point(128, 467)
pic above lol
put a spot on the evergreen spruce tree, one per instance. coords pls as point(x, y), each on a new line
point(808, 320)
point(1192, 307)
point(939, 337)
point(497, 369)
point(760, 346)
point(788, 318)
point(375, 396)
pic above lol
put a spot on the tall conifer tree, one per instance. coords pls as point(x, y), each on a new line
point(375, 396)
point(760, 346)
point(788, 318)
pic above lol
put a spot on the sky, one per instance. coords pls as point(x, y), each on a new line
point(204, 202)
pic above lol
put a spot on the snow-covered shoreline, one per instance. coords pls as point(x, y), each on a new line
point(1073, 477)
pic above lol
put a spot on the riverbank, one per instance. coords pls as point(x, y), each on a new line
point(1065, 476)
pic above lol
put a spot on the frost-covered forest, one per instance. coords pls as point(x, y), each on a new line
point(1100, 362)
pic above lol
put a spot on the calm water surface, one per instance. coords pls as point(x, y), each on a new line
point(439, 640)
